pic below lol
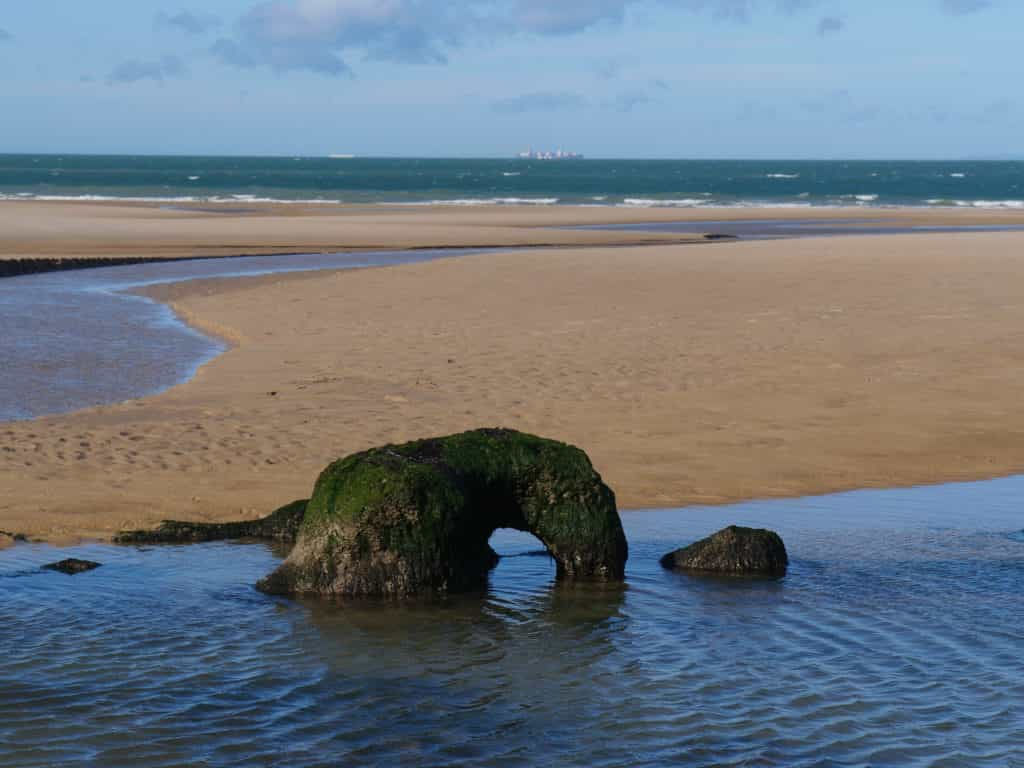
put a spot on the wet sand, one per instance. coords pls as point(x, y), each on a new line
point(85, 230)
point(690, 375)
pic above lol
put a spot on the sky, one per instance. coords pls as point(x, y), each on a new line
point(455, 78)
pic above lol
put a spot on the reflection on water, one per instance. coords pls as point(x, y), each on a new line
point(895, 640)
point(70, 340)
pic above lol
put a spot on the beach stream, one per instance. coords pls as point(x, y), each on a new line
point(74, 339)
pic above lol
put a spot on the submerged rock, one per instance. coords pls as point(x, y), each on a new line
point(416, 518)
point(281, 525)
point(71, 566)
point(733, 550)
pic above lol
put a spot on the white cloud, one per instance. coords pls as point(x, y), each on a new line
point(134, 70)
point(186, 21)
point(324, 35)
point(829, 25)
point(961, 7)
point(541, 101)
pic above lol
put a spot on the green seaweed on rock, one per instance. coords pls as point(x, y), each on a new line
point(416, 518)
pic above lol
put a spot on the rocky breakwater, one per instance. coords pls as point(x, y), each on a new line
point(415, 519)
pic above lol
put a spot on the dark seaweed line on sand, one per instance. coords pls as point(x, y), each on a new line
point(37, 265)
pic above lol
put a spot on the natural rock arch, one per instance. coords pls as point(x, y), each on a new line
point(416, 518)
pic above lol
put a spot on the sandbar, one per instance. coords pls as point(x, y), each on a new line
point(690, 374)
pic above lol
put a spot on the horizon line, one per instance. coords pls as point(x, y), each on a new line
point(585, 158)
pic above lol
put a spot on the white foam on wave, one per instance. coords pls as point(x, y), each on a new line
point(644, 202)
point(958, 175)
point(861, 199)
point(194, 178)
point(706, 203)
point(782, 176)
point(88, 198)
point(763, 204)
point(468, 201)
point(706, 200)
point(511, 173)
point(274, 200)
point(100, 198)
point(1013, 205)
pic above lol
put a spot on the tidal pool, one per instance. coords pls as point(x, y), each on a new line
point(895, 640)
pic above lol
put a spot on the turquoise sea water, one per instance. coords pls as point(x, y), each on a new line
point(679, 183)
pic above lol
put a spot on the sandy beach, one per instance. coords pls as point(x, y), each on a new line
point(691, 375)
point(87, 230)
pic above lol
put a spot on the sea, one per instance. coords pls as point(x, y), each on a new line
point(629, 183)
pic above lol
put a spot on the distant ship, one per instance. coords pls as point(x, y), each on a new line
point(558, 154)
point(341, 157)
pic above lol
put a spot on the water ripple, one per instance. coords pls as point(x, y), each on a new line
point(894, 640)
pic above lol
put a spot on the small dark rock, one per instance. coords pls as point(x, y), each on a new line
point(733, 551)
point(71, 566)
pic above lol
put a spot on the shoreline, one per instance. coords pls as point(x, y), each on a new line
point(215, 203)
point(68, 230)
point(92, 234)
point(221, 446)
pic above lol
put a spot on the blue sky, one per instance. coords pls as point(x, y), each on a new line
point(609, 78)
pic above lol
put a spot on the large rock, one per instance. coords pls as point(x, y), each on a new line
point(733, 550)
point(416, 518)
point(280, 525)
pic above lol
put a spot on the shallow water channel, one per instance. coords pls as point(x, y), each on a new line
point(894, 640)
point(74, 339)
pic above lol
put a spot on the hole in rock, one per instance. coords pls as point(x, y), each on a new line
point(522, 556)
